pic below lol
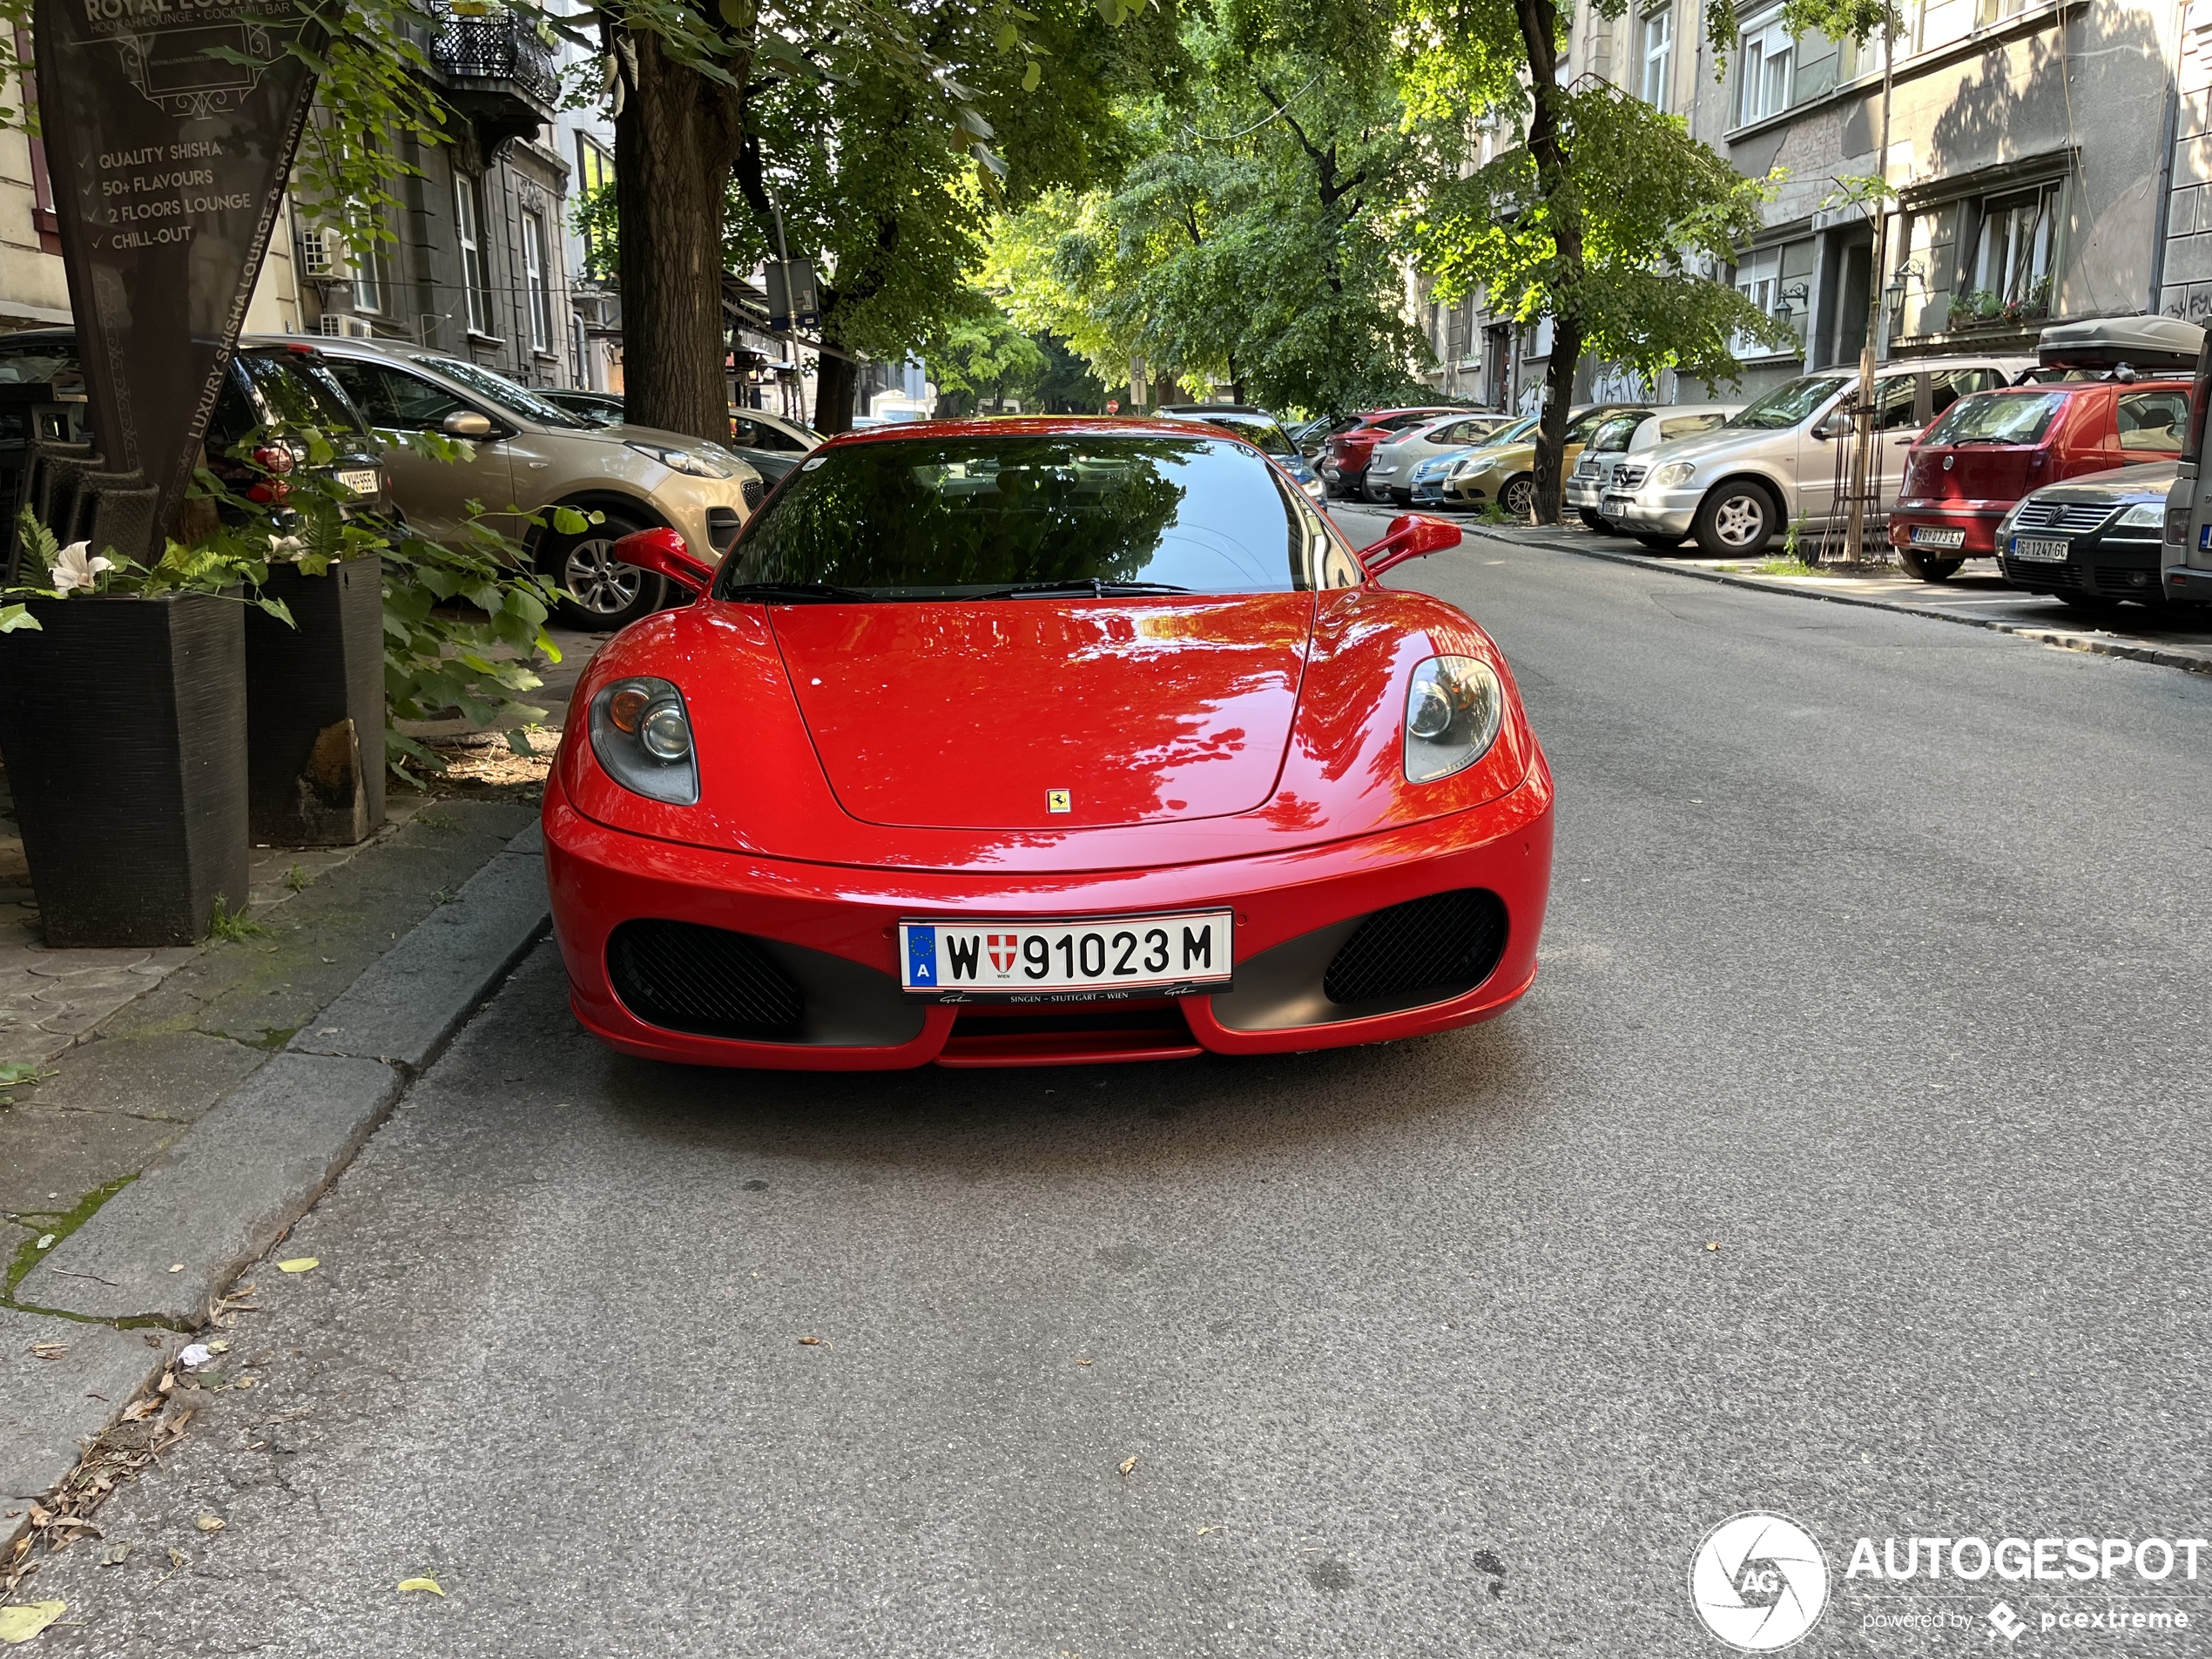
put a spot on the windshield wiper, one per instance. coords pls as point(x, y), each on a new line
point(793, 593)
point(1089, 584)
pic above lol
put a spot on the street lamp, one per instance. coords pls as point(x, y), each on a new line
point(1785, 307)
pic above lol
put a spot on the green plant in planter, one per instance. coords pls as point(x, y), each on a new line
point(211, 568)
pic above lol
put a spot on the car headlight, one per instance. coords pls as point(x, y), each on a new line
point(642, 734)
point(1471, 468)
point(2004, 524)
point(1452, 711)
point(2151, 513)
point(1315, 488)
point(697, 463)
point(1674, 473)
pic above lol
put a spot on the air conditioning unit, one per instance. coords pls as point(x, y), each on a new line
point(320, 254)
point(341, 325)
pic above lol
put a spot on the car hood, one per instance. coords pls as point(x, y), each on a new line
point(1721, 441)
point(976, 715)
point(2148, 481)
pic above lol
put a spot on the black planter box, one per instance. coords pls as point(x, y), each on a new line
point(315, 708)
point(123, 723)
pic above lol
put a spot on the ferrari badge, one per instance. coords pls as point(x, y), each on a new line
point(1055, 801)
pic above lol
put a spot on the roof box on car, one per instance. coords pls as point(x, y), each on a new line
point(2142, 343)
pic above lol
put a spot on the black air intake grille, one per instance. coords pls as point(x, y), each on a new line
point(754, 491)
point(1447, 943)
point(705, 980)
point(722, 523)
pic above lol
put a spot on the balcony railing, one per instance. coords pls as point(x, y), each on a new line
point(499, 45)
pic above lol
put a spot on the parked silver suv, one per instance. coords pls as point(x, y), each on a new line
point(1777, 461)
point(531, 456)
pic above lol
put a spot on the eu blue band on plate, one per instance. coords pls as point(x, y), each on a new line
point(2204, 539)
point(922, 955)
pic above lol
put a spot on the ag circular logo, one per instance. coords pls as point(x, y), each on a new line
point(1758, 1581)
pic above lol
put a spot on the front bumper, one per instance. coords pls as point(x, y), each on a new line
point(1668, 512)
point(839, 926)
point(2102, 567)
point(1583, 492)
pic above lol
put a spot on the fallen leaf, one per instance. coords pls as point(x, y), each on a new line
point(210, 1523)
point(810, 1342)
point(1082, 1362)
point(49, 1349)
point(429, 1584)
point(176, 1267)
point(219, 1347)
point(299, 1264)
point(177, 1557)
point(153, 1341)
point(1712, 1247)
point(22, 1623)
point(39, 1517)
point(1128, 1464)
point(45, 1242)
point(115, 1554)
point(1202, 1531)
point(139, 1409)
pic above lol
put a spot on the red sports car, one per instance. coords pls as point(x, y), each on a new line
point(1038, 741)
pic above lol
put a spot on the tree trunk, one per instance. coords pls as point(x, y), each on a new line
point(675, 139)
point(837, 385)
point(1539, 32)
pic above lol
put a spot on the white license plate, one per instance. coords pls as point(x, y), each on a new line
point(1614, 506)
point(1061, 961)
point(1923, 535)
point(362, 481)
point(2038, 551)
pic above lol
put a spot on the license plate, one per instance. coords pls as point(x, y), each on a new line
point(1066, 961)
point(362, 481)
point(1923, 535)
point(1614, 506)
point(2041, 552)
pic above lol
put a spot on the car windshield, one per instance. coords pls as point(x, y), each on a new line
point(1616, 433)
point(510, 396)
point(988, 517)
point(1524, 428)
point(1998, 417)
point(1257, 430)
point(1789, 403)
point(300, 392)
point(35, 362)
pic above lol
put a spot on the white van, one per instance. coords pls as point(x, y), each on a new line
point(1776, 461)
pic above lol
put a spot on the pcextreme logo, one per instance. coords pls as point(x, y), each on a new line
point(1758, 1581)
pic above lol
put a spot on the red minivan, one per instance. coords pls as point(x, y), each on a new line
point(1989, 449)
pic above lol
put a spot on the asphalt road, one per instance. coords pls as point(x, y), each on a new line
point(1877, 958)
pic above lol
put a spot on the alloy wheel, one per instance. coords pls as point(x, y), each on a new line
point(602, 584)
point(1518, 496)
point(1740, 521)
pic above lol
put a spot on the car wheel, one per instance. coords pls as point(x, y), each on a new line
point(1659, 543)
point(1735, 521)
point(1593, 519)
point(1519, 496)
point(1926, 569)
point(607, 594)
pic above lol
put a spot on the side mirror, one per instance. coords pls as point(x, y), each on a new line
point(1411, 536)
point(1837, 425)
point(466, 423)
point(666, 553)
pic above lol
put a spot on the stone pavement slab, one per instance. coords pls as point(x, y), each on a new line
point(62, 1382)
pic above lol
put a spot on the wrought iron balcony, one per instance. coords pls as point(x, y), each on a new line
point(501, 72)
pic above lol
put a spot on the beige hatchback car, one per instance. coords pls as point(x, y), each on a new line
point(531, 456)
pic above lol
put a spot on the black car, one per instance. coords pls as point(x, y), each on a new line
point(2091, 542)
point(269, 388)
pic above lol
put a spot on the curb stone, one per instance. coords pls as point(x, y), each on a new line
point(2041, 635)
point(233, 1182)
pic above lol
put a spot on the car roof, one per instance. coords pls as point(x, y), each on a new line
point(1007, 426)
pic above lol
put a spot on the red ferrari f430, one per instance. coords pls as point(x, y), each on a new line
point(1037, 742)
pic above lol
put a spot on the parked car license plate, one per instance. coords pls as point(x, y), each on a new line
point(2041, 551)
point(362, 481)
point(1613, 506)
point(1927, 535)
point(1064, 960)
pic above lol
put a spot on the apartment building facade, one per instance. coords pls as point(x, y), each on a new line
point(2048, 160)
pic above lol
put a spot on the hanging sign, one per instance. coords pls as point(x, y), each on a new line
point(170, 128)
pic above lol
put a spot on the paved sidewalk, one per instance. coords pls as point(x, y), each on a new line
point(1977, 597)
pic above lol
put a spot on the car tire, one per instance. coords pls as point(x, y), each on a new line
point(1593, 519)
point(1659, 543)
point(1517, 495)
point(1736, 521)
point(608, 595)
point(1926, 569)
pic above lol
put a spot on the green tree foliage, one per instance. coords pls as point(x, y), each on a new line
point(1255, 242)
point(980, 355)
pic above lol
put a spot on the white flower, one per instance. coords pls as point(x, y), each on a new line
point(287, 549)
point(73, 569)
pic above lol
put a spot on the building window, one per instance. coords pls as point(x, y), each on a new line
point(1658, 50)
point(595, 172)
point(537, 291)
point(1768, 58)
point(2013, 256)
point(1758, 279)
point(467, 219)
point(365, 256)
